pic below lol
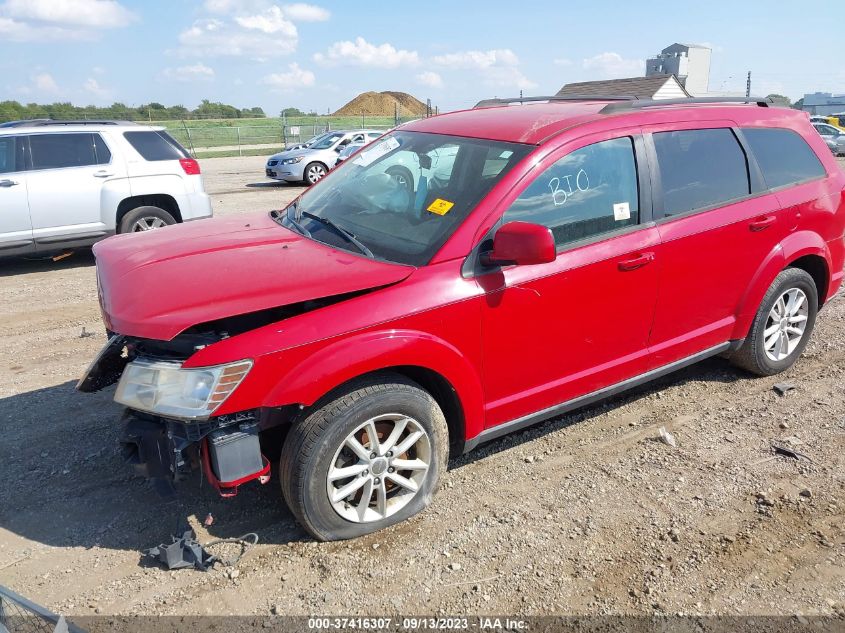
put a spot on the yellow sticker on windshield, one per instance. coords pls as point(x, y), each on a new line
point(440, 206)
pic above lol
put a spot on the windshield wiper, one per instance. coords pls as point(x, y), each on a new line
point(342, 231)
point(294, 223)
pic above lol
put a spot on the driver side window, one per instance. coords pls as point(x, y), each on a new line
point(589, 192)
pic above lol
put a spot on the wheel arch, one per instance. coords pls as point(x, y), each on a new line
point(434, 364)
point(160, 200)
point(802, 249)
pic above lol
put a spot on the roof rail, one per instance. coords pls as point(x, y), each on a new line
point(651, 103)
point(489, 103)
point(48, 122)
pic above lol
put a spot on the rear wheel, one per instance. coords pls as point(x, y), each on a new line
point(314, 172)
point(145, 219)
point(782, 326)
point(368, 457)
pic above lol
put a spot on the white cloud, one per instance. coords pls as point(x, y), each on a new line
point(477, 59)
point(93, 87)
point(41, 84)
point(294, 78)
point(497, 67)
point(430, 79)
point(98, 14)
point(270, 21)
point(16, 31)
point(301, 12)
point(194, 72)
point(45, 83)
point(212, 38)
point(362, 53)
point(613, 66)
point(98, 70)
point(562, 61)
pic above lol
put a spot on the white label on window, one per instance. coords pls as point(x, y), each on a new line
point(621, 211)
point(371, 155)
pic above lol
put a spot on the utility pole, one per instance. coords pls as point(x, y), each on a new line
point(748, 85)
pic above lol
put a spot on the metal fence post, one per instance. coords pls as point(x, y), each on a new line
point(240, 150)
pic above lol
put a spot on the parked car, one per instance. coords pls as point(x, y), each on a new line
point(311, 163)
point(68, 184)
point(566, 251)
point(304, 144)
point(833, 136)
point(350, 149)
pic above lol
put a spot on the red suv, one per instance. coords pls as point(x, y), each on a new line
point(463, 277)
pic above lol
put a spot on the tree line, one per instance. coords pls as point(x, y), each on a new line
point(14, 111)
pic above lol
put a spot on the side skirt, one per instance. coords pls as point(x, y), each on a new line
point(505, 428)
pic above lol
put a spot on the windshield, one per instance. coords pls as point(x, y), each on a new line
point(402, 196)
point(327, 141)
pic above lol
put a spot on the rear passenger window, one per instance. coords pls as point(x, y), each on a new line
point(700, 169)
point(55, 151)
point(783, 156)
point(586, 193)
point(101, 150)
point(155, 145)
point(7, 154)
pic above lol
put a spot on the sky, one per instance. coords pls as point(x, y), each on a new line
point(455, 52)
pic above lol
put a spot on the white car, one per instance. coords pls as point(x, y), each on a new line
point(68, 184)
point(311, 163)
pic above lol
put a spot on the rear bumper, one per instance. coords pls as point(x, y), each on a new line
point(198, 207)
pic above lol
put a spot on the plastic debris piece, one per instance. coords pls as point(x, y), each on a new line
point(782, 387)
point(667, 437)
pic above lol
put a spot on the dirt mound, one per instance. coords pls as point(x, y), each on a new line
point(383, 104)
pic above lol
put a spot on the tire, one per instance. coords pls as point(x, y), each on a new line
point(314, 171)
point(318, 443)
point(764, 359)
point(151, 217)
point(402, 175)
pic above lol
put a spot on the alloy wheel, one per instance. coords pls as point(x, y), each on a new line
point(315, 173)
point(379, 468)
point(786, 324)
point(148, 224)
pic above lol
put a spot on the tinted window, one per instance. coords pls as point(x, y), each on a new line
point(101, 150)
point(7, 154)
point(700, 168)
point(155, 145)
point(783, 156)
point(54, 151)
point(591, 191)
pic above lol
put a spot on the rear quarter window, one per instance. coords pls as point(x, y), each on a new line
point(155, 145)
point(783, 156)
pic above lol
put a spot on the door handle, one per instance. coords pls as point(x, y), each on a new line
point(762, 223)
point(637, 262)
point(8, 183)
point(103, 173)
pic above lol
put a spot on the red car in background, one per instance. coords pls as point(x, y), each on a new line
point(536, 256)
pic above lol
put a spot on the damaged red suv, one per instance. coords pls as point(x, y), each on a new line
point(466, 276)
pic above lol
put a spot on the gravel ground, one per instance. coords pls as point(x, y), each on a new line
point(586, 514)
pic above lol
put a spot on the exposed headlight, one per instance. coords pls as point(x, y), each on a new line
point(168, 390)
point(291, 161)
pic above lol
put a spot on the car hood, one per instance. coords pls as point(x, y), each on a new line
point(292, 153)
point(158, 283)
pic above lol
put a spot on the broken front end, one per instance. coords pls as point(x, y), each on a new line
point(169, 428)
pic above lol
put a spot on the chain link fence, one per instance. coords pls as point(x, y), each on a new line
point(19, 615)
point(256, 137)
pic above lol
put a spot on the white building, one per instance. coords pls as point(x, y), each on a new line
point(690, 63)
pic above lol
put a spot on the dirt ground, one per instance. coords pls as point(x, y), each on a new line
point(586, 514)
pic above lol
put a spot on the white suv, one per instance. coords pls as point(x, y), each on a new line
point(67, 184)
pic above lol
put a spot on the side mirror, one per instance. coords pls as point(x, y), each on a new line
point(522, 244)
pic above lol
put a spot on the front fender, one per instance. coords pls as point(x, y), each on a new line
point(337, 363)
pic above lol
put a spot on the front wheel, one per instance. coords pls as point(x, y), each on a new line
point(314, 172)
point(782, 326)
point(367, 457)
